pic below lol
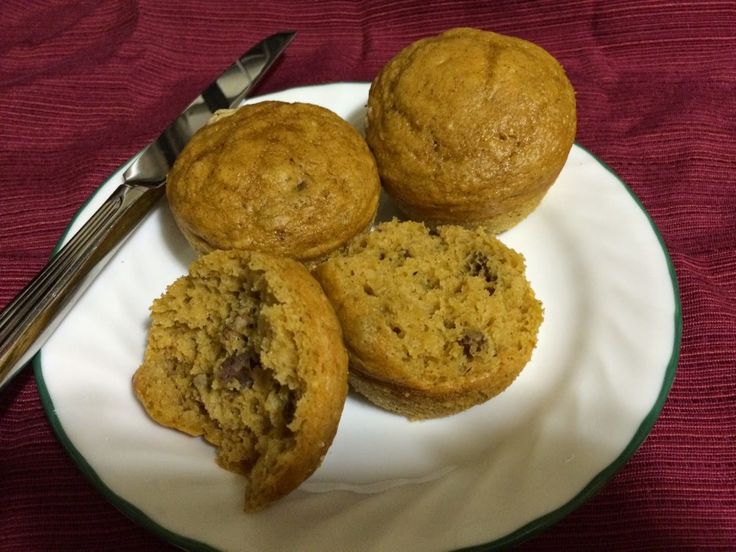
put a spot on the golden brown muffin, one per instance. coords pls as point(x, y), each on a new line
point(289, 179)
point(470, 127)
point(246, 351)
point(435, 321)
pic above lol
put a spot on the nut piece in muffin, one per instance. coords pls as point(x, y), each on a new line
point(246, 351)
point(470, 127)
point(291, 179)
point(435, 321)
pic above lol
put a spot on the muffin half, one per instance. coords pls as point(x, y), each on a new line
point(246, 351)
point(435, 321)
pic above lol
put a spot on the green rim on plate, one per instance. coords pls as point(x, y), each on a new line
point(525, 532)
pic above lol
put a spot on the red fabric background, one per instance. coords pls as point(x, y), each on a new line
point(84, 85)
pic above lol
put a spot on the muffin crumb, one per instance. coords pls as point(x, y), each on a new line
point(246, 351)
point(437, 331)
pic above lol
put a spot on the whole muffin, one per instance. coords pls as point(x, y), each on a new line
point(435, 321)
point(246, 351)
point(470, 127)
point(292, 179)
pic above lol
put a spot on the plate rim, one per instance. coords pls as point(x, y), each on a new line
point(523, 533)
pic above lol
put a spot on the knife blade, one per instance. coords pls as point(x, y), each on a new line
point(30, 319)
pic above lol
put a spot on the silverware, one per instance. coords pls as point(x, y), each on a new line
point(28, 321)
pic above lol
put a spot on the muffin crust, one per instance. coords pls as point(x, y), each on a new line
point(470, 127)
point(290, 179)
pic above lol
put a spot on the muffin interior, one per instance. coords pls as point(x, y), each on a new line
point(431, 308)
point(221, 362)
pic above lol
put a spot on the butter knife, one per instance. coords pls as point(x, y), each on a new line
point(29, 319)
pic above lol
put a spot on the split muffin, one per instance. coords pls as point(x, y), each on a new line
point(470, 127)
point(291, 179)
point(246, 351)
point(435, 321)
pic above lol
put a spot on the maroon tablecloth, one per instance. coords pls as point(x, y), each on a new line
point(84, 85)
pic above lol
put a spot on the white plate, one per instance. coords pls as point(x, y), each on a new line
point(490, 476)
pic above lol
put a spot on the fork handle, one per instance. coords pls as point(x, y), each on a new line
point(29, 319)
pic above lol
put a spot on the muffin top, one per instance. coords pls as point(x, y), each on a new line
point(442, 311)
point(469, 124)
point(290, 179)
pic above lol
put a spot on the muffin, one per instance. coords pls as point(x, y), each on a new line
point(291, 179)
point(470, 127)
point(245, 350)
point(435, 320)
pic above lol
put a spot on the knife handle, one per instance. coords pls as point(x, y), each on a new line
point(30, 318)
